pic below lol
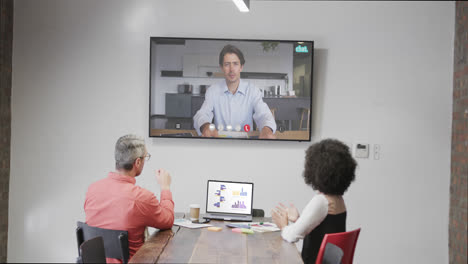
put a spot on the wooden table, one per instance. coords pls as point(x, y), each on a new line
point(184, 245)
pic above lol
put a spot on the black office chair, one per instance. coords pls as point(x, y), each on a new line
point(258, 213)
point(92, 251)
point(115, 241)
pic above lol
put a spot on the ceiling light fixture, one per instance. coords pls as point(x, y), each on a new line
point(243, 5)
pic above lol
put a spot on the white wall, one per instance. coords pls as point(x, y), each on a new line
point(383, 75)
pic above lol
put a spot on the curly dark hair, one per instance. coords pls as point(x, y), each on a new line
point(329, 167)
point(231, 49)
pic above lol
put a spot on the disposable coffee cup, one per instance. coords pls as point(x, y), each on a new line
point(194, 212)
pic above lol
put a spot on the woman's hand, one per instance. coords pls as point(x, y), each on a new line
point(280, 218)
point(291, 212)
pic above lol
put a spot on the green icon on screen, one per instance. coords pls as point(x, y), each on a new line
point(302, 49)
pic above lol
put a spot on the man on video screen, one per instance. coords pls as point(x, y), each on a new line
point(234, 103)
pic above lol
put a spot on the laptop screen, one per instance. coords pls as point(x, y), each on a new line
point(229, 197)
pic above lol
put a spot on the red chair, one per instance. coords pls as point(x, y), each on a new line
point(345, 240)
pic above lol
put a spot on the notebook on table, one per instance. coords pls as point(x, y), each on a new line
point(229, 201)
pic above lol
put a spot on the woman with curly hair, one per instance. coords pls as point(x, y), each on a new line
point(329, 169)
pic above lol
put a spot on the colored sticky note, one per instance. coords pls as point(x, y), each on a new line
point(215, 228)
point(247, 231)
point(237, 230)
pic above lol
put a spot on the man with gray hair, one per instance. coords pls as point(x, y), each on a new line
point(117, 203)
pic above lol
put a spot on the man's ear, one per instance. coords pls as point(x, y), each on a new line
point(137, 162)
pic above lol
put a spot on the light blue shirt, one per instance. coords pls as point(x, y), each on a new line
point(236, 109)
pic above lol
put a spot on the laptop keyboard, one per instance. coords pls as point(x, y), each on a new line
point(228, 217)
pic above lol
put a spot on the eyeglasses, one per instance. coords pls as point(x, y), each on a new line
point(146, 157)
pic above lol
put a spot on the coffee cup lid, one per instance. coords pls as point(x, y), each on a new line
point(194, 206)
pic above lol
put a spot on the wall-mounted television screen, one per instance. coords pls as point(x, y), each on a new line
point(230, 88)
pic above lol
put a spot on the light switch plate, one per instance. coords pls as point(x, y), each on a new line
point(376, 151)
point(361, 151)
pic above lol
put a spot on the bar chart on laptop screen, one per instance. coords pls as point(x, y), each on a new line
point(227, 197)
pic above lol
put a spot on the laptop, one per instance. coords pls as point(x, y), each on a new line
point(229, 201)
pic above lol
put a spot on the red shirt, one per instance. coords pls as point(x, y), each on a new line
point(116, 203)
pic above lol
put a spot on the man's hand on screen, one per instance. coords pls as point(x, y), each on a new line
point(267, 133)
point(207, 132)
